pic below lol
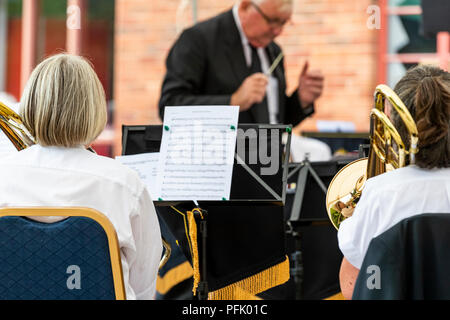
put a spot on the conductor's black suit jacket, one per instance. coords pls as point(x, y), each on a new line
point(207, 65)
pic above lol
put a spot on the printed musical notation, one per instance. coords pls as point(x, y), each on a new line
point(197, 152)
point(146, 166)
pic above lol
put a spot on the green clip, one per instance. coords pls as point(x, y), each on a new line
point(233, 128)
point(288, 129)
point(166, 128)
point(224, 199)
point(160, 199)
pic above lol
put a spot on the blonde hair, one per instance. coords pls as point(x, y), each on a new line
point(64, 103)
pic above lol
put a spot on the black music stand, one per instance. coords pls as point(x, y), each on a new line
point(228, 230)
point(312, 240)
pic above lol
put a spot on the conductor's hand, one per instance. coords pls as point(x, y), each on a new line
point(310, 85)
point(251, 91)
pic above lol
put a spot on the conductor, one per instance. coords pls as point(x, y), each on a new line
point(232, 59)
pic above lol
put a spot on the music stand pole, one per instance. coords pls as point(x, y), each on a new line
point(297, 257)
point(203, 284)
point(296, 269)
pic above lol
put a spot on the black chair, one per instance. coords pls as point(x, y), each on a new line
point(410, 261)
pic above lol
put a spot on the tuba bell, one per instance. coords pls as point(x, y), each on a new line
point(387, 151)
point(11, 124)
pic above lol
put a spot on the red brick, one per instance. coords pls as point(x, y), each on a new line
point(330, 34)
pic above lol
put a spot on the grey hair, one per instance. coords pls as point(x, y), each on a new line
point(284, 5)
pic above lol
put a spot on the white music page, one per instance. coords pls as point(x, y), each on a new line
point(146, 166)
point(197, 152)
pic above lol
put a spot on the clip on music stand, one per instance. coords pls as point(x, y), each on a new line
point(228, 230)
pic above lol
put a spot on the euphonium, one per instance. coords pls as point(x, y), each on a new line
point(11, 124)
point(387, 151)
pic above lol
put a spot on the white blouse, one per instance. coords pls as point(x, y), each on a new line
point(55, 176)
point(389, 198)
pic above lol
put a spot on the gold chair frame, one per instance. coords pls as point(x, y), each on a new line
point(101, 219)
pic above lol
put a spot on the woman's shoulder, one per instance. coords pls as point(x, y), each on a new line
point(408, 175)
point(112, 169)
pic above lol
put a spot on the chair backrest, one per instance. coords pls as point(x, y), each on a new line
point(411, 260)
point(75, 258)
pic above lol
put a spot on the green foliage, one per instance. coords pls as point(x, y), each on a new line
point(97, 9)
point(14, 8)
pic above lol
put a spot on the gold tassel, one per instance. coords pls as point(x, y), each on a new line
point(195, 259)
point(247, 288)
point(191, 233)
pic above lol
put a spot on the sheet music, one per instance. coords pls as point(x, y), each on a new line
point(197, 152)
point(146, 165)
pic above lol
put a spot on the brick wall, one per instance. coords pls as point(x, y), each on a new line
point(331, 34)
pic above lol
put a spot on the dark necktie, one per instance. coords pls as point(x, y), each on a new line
point(260, 108)
point(256, 63)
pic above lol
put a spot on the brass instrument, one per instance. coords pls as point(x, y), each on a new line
point(387, 152)
point(11, 124)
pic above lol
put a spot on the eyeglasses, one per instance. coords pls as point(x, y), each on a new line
point(273, 22)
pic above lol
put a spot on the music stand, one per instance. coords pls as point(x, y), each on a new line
point(254, 212)
point(304, 169)
point(305, 211)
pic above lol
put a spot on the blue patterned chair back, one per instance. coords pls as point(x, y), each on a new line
point(65, 260)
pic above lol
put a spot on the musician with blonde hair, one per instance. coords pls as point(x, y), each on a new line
point(415, 189)
point(64, 109)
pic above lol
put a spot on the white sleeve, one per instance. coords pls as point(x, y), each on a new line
point(147, 237)
point(356, 232)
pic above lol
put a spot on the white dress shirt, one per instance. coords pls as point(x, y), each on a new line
point(389, 198)
point(309, 148)
point(55, 176)
point(272, 86)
